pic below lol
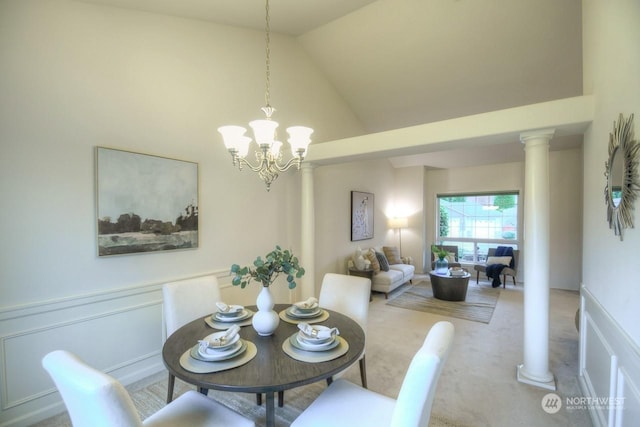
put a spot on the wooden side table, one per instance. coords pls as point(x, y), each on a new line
point(368, 274)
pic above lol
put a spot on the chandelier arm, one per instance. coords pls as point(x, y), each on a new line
point(294, 161)
point(241, 161)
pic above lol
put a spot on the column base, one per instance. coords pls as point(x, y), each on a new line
point(523, 378)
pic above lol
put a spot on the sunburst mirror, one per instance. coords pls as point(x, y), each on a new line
point(621, 171)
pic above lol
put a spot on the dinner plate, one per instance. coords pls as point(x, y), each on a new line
point(295, 342)
point(223, 346)
point(237, 311)
point(312, 309)
point(244, 314)
point(295, 314)
point(219, 355)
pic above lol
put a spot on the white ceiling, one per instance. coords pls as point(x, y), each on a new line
point(400, 63)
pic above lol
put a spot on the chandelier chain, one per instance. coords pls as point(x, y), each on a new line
point(267, 93)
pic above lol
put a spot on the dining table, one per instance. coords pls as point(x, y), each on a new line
point(271, 370)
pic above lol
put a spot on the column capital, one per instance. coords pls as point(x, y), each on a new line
point(307, 166)
point(546, 134)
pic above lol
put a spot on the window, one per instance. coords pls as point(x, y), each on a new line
point(477, 222)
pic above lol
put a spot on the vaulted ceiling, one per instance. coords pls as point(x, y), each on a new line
point(400, 63)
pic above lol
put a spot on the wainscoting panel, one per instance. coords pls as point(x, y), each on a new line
point(609, 367)
point(118, 331)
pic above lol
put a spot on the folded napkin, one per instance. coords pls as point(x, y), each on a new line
point(309, 303)
point(308, 330)
point(221, 339)
point(225, 308)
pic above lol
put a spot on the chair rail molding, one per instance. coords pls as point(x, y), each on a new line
point(609, 373)
point(117, 330)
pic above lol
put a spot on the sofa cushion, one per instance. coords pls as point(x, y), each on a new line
point(393, 254)
point(384, 264)
point(386, 279)
point(407, 270)
point(375, 265)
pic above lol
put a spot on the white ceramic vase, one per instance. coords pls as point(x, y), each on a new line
point(265, 321)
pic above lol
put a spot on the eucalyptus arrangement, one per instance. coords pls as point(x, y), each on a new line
point(267, 270)
point(438, 252)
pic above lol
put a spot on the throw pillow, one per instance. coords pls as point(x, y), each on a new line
point(393, 254)
point(504, 260)
point(375, 265)
point(451, 257)
point(384, 264)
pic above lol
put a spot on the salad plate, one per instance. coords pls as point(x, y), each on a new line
point(223, 345)
point(210, 355)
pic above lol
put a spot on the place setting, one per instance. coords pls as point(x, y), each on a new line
point(228, 315)
point(315, 343)
point(308, 311)
point(218, 352)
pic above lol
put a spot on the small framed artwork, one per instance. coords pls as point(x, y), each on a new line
point(145, 203)
point(361, 215)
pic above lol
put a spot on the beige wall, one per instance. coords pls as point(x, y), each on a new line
point(333, 186)
point(565, 174)
point(611, 40)
point(76, 76)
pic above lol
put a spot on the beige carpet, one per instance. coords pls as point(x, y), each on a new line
point(478, 387)
point(478, 306)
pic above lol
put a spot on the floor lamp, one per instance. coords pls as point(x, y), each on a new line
point(399, 223)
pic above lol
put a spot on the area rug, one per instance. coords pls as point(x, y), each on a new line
point(478, 306)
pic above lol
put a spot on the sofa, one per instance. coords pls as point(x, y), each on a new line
point(386, 276)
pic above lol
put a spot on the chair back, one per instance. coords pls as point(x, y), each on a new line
point(186, 300)
point(348, 295)
point(516, 257)
point(92, 398)
point(452, 249)
point(413, 406)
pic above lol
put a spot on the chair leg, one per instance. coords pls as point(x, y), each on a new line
point(259, 399)
point(170, 385)
point(514, 280)
point(477, 276)
point(329, 381)
point(203, 390)
point(280, 399)
point(363, 372)
point(504, 281)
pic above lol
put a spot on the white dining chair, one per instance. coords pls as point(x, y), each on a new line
point(337, 405)
point(95, 399)
point(348, 295)
point(184, 301)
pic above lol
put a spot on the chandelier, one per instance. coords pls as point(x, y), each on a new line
point(268, 156)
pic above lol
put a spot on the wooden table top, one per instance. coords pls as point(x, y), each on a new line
point(272, 369)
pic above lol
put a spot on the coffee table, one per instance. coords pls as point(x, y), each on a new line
point(449, 288)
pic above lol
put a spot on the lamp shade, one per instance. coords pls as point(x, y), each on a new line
point(264, 131)
point(398, 223)
point(235, 139)
point(299, 139)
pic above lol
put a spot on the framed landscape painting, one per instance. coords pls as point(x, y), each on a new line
point(361, 215)
point(145, 203)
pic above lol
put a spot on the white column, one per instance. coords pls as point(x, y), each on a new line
point(308, 240)
point(535, 368)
